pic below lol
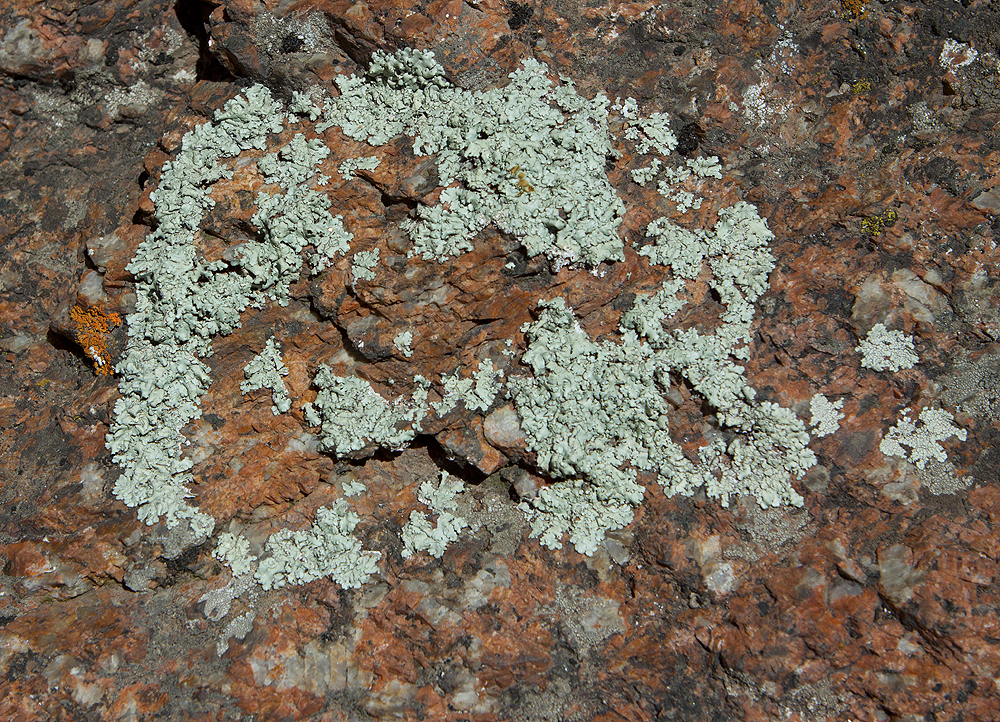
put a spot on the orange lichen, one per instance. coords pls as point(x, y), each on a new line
point(93, 326)
point(853, 9)
point(522, 183)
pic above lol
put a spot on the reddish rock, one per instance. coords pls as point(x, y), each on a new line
point(877, 600)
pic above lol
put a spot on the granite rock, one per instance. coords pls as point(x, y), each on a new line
point(865, 135)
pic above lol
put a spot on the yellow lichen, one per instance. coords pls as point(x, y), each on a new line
point(874, 225)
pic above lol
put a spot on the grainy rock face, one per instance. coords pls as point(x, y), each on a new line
point(865, 135)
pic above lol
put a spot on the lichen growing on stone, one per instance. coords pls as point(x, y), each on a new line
point(265, 371)
point(476, 392)
point(529, 158)
point(93, 327)
point(363, 265)
point(497, 143)
point(183, 301)
point(885, 350)
point(826, 415)
point(419, 534)
point(596, 414)
point(924, 442)
point(327, 549)
point(352, 416)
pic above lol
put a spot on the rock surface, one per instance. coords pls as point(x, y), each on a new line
point(866, 136)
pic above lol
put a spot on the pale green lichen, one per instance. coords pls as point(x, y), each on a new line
point(885, 350)
point(627, 109)
point(183, 301)
point(402, 343)
point(826, 415)
point(677, 247)
point(584, 511)
point(419, 534)
point(477, 392)
point(683, 200)
point(160, 388)
point(591, 408)
point(643, 175)
point(348, 167)
point(233, 550)
point(706, 167)
point(292, 220)
point(648, 312)
point(653, 133)
point(530, 156)
point(674, 175)
point(596, 413)
point(924, 441)
point(302, 104)
point(363, 265)
point(354, 488)
point(264, 371)
point(352, 416)
point(327, 549)
point(487, 386)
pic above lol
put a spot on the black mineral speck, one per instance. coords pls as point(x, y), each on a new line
point(689, 138)
point(292, 43)
point(520, 14)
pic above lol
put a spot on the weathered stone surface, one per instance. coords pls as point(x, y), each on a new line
point(877, 600)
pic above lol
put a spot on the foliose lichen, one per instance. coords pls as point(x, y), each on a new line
point(328, 549)
point(497, 143)
point(183, 301)
point(596, 413)
point(264, 371)
point(352, 416)
point(529, 158)
point(419, 534)
point(885, 350)
point(924, 441)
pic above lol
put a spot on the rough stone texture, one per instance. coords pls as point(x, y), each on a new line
point(876, 601)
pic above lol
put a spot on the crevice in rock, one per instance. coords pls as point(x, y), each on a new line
point(193, 17)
